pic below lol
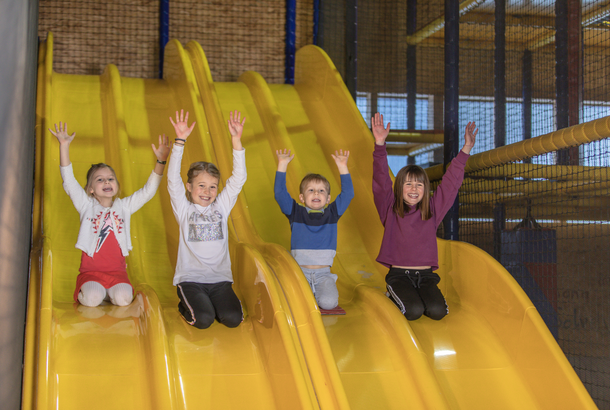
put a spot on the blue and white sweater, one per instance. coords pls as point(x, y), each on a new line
point(314, 233)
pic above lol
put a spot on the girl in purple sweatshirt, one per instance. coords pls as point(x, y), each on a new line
point(411, 216)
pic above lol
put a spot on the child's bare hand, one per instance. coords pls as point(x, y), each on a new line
point(379, 131)
point(62, 133)
point(236, 124)
point(163, 151)
point(341, 158)
point(283, 159)
point(470, 136)
point(181, 125)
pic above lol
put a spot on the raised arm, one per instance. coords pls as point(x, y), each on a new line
point(183, 130)
point(161, 153)
point(470, 136)
point(347, 187)
point(379, 131)
point(383, 193)
point(341, 158)
point(175, 186)
point(236, 126)
point(282, 196)
point(283, 159)
point(64, 143)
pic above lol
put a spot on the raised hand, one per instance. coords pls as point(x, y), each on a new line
point(283, 159)
point(181, 125)
point(379, 131)
point(163, 151)
point(470, 136)
point(62, 134)
point(341, 158)
point(236, 124)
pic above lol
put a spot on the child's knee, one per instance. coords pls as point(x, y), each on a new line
point(232, 319)
point(91, 294)
point(121, 294)
point(327, 294)
point(414, 311)
point(436, 312)
point(327, 301)
point(202, 320)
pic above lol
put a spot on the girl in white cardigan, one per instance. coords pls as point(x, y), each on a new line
point(104, 234)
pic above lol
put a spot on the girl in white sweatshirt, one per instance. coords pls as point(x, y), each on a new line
point(203, 274)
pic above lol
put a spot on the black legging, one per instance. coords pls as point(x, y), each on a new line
point(415, 293)
point(201, 303)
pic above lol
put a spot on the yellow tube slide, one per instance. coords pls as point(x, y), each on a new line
point(143, 356)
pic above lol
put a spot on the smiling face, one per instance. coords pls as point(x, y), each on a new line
point(203, 189)
point(103, 186)
point(315, 195)
point(412, 191)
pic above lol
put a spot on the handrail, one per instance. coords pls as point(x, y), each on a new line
point(438, 23)
point(567, 137)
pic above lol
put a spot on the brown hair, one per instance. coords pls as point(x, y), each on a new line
point(314, 178)
point(418, 174)
point(197, 168)
point(94, 168)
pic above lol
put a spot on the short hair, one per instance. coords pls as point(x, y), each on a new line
point(94, 168)
point(314, 178)
point(418, 174)
point(197, 168)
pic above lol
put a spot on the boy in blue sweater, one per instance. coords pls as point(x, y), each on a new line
point(313, 223)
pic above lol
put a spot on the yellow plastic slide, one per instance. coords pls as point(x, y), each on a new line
point(491, 351)
point(143, 356)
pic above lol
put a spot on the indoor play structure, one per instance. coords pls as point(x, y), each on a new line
point(492, 351)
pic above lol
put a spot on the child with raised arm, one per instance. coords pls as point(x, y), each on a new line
point(105, 222)
point(313, 223)
point(411, 216)
point(203, 271)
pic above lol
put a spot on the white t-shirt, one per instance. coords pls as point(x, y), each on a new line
point(203, 248)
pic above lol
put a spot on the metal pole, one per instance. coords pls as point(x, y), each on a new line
point(291, 15)
point(451, 148)
point(163, 32)
point(500, 74)
point(351, 46)
point(316, 23)
point(411, 65)
point(567, 71)
point(526, 93)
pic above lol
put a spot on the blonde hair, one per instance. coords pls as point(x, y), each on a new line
point(197, 168)
point(314, 178)
point(94, 168)
point(418, 174)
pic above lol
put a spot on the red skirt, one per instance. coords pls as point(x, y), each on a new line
point(106, 279)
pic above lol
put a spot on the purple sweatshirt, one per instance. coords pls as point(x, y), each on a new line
point(409, 241)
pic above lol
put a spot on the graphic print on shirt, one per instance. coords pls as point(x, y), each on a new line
point(104, 232)
point(204, 228)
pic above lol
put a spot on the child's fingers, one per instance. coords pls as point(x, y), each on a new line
point(172, 120)
point(186, 119)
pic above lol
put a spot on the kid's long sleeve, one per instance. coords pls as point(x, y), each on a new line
point(314, 233)
point(409, 241)
point(203, 244)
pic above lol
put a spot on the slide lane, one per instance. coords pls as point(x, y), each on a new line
point(143, 355)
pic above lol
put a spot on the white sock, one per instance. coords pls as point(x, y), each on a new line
point(91, 294)
point(121, 294)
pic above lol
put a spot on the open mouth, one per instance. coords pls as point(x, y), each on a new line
point(107, 189)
